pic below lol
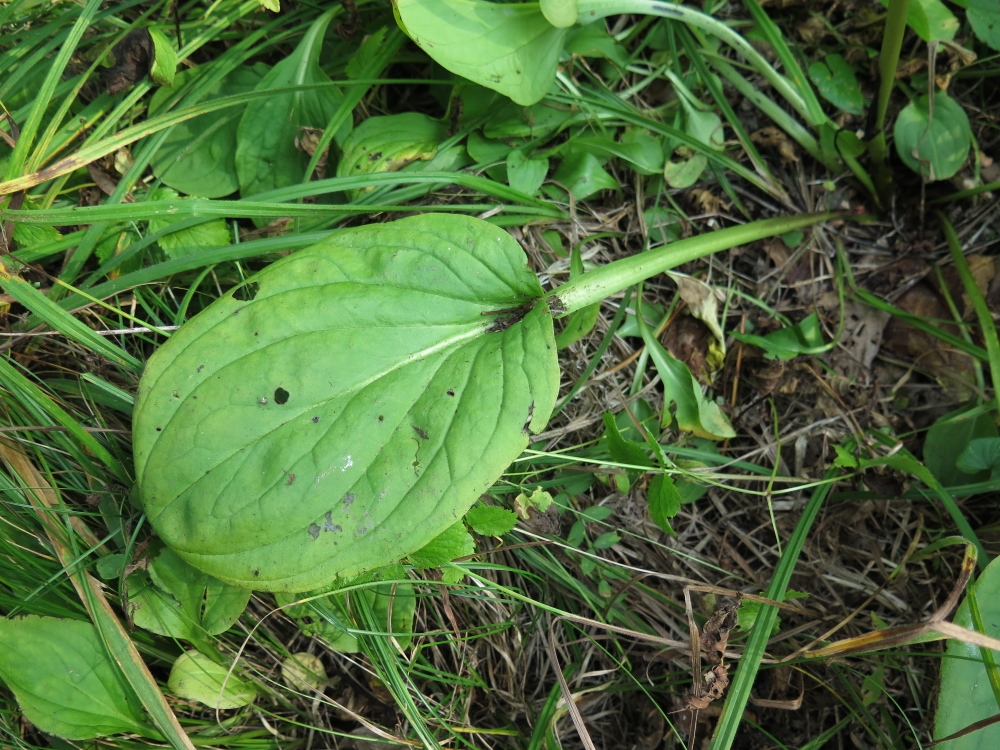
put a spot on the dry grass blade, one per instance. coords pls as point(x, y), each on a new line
point(936, 628)
point(39, 493)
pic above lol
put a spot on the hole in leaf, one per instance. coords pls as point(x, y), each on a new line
point(280, 396)
point(246, 292)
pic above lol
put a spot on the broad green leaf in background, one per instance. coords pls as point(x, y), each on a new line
point(388, 143)
point(177, 600)
point(198, 157)
point(981, 455)
point(509, 48)
point(641, 150)
point(663, 226)
point(188, 241)
point(164, 63)
point(947, 440)
point(489, 520)
point(537, 121)
point(329, 618)
point(303, 671)
point(266, 155)
point(64, 679)
point(931, 19)
point(593, 40)
point(836, 82)
point(966, 695)
point(984, 17)
point(195, 677)
point(789, 342)
point(934, 146)
point(347, 404)
point(583, 175)
point(684, 173)
point(695, 413)
point(526, 174)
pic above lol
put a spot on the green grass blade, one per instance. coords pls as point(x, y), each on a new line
point(739, 690)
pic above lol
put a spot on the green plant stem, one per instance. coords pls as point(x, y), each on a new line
point(739, 692)
point(888, 61)
point(978, 303)
point(607, 280)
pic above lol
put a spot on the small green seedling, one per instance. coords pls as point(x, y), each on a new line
point(346, 406)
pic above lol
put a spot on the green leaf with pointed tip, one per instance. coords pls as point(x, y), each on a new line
point(198, 157)
point(836, 82)
point(195, 677)
point(934, 145)
point(389, 143)
point(347, 404)
point(164, 63)
point(664, 501)
point(524, 174)
point(266, 155)
point(64, 679)
point(509, 48)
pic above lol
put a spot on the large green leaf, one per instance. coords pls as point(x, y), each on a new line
point(931, 19)
point(198, 157)
point(65, 680)
point(934, 144)
point(266, 155)
point(388, 143)
point(966, 695)
point(509, 48)
point(347, 404)
point(984, 17)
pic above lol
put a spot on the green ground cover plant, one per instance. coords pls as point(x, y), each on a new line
point(345, 394)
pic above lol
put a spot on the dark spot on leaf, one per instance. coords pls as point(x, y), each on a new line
point(328, 524)
point(348, 499)
point(255, 333)
point(200, 368)
point(133, 56)
point(375, 156)
point(314, 530)
point(508, 316)
point(280, 396)
point(420, 433)
point(256, 572)
point(246, 291)
point(159, 429)
point(176, 394)
point(291, 479)
point(380, 418)
point(315, 420)
point(450, 391)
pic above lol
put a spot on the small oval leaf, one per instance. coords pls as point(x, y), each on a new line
point(416, 356)
point(197, 678)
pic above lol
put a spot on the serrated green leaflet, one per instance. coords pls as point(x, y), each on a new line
point(373, 387)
